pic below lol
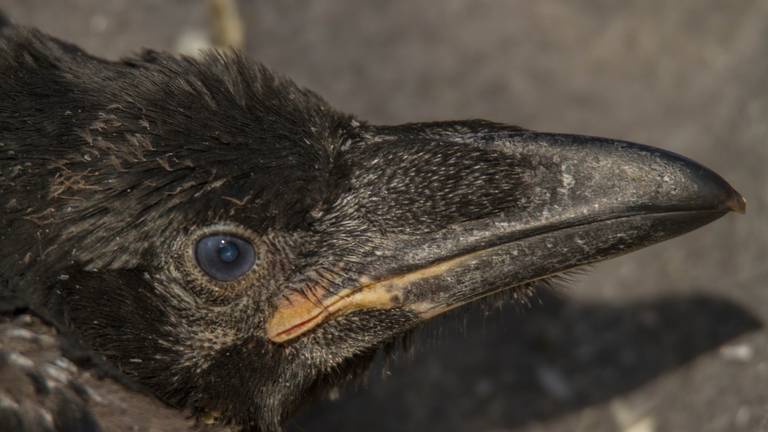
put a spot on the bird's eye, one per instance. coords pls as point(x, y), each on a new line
point(224, 257)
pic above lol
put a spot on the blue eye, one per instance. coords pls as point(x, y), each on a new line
point(224, 257)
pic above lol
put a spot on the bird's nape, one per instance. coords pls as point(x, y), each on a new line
point(232, 243)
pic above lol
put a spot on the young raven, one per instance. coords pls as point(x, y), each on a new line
point(230, 242)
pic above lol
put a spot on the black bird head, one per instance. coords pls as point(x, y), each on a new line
point(231, 242)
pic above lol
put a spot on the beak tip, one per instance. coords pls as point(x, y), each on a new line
point(737, 203)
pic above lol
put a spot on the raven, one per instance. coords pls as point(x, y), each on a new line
point(225, 239)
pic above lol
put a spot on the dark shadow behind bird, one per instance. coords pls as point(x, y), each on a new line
point(4, 21)
point(550, 360)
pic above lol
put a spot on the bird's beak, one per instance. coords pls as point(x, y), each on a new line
point(576, 200)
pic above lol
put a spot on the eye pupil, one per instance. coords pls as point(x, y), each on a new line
point(228, 251)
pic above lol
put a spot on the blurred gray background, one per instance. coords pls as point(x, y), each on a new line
point(667, 339)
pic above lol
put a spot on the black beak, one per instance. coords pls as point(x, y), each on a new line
point(507, 208)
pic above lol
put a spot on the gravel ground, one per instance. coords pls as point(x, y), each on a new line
point(667, 339)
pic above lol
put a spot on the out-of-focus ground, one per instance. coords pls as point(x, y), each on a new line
point(667, 339)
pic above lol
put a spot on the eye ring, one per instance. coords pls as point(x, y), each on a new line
point(225, 257)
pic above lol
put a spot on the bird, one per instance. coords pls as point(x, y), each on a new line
point(206, 233)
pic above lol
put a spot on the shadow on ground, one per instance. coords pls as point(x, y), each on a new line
point(557, 358)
